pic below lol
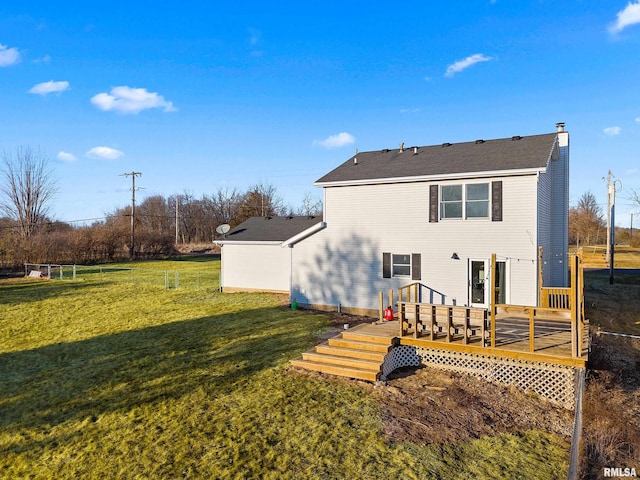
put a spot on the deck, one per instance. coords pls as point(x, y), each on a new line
point(552, 340)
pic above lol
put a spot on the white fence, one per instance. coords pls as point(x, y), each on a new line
point(169, 279)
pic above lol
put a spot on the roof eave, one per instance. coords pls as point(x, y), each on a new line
point(304, 234)
point(247, 242)
point(434, 178)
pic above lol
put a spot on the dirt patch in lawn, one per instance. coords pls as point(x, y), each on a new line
point(427, 405)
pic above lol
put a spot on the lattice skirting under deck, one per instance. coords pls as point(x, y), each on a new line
point(556, 383)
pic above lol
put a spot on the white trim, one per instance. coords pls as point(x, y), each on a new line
point(433, 178)
point(252, 242)
point(304, 234)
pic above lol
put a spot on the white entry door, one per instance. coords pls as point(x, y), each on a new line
point(479, 283)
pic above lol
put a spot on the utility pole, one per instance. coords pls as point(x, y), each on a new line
point(612, 238)
point(612, 227)
point(133, 176)
point(631, 231)
point(609, 214)
point(177, 200)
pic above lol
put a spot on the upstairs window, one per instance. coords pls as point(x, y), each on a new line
point(477, 200)
point(451, 203)
point(472, 201)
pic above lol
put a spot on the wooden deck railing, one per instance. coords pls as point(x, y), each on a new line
point(443, 322)
point(555, 297)
point(472, 325)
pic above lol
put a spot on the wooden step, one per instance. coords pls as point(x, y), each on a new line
point(361, 337)
point(341, 371)
point(358, 345)
point(350, 353)
point(343, 361)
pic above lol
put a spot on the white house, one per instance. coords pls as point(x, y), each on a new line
point(252, 255)
point(435, 215)
point(432, 215)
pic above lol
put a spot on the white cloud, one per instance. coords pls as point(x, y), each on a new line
point(637, 119)
point(627, 17)
point(632, 171)
point(409, 110)
point(66, 157)
point(460, 65)
point(106, 153)
point(8, 56)
point(334, 141)
point(131, 100)
point(45, 59)
point(612, 131)
point(49, 87)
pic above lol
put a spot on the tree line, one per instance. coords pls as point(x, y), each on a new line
point(160, 223)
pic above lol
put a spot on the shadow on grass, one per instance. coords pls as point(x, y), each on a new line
point(34, 290)
point(44, 387)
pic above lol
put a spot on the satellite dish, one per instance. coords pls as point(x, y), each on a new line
point(224, 228)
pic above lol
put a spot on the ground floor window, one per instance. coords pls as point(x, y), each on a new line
point(402, 265)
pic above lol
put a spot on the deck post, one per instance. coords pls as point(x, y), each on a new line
point(381, 305)
point(575, 308)
point(449, 323)
point(416, 311)
point(541, 302)
point(467, 314)
point(391, 298)
point(532, 330)
point(492, 300)
point(402, 317)
point(433, 322)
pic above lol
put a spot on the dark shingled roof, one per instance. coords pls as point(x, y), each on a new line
point(270, 229)
point(514, 153)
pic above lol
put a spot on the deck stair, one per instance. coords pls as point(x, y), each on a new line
point(595, 260)
point(349, 354)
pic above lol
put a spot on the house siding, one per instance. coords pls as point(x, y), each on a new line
point(256, 267)
point(545, 200)
point(559, 170)
point(342, 265)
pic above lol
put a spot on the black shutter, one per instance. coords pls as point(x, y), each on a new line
point(386, 265)
point(416, 266)
point(433, 203)
point(496, 201)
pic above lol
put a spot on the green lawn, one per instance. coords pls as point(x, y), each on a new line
point(117, 380)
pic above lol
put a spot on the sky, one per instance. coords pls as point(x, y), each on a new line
point(203, 95)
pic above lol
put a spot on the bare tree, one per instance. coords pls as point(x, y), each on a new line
point(261, 200)
point(634, 196)
point(310, 206)
point(585, 220)
point(224, 205)
point(27, 188)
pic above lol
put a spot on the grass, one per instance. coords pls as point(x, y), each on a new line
point(614, 307)
point(102, 380)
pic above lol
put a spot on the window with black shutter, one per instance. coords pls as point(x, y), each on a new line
point(433, 203)
point(416, 266)
point(386, 265)
point(496, 201)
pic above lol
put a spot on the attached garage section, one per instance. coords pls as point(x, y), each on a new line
point(256, 255)
point(255, 267)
